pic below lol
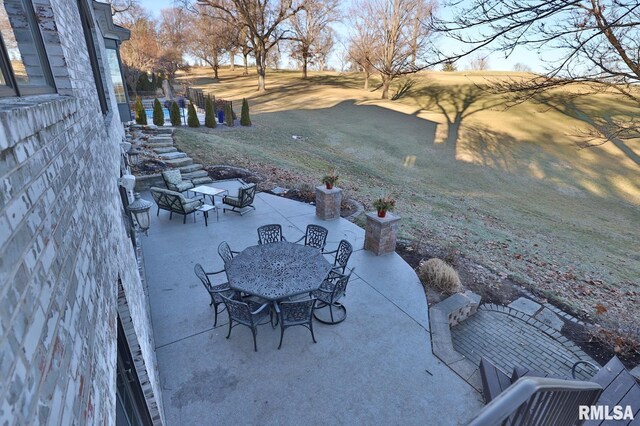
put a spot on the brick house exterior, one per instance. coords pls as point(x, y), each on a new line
point(69, 273)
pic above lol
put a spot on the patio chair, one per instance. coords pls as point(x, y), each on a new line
point(268, 234)
point(244, 200)
point(331, 290)
point(174, 181)
point(343, 253)
point(316, 236)
point(296, 312)
point(248, 313)
point(226, 253)
point(539, 401)
point(175, 202)
point(215, 291)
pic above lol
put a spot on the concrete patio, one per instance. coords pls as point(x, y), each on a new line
point(374, 368)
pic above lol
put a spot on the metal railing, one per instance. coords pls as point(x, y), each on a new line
point(538, 401)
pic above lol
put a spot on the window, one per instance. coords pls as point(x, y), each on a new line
point(24, 68)
point(87, 26)
point(116, 76)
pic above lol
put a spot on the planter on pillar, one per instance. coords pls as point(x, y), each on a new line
point(328, 202)
point(381, 233)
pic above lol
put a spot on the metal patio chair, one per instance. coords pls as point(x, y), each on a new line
point(215, 291)
point(268, 234)
point(343, 253)
point(331, 290)
point(316, 236)
point(226, 253)
point(293, 313)
point(244, 199)
point(248, 313)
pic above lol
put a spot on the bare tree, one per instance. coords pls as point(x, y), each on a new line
point(171, 35)
point(311, 30)
point(263, 22)
point(362, 48)
point(520, 67)
point(400, 32)
point(212, 38)
point(140, 53)
point(593, 41)
point(479, 63)
point(324, 46)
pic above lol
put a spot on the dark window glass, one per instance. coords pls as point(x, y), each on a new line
point(24, 69)
point(87, 27)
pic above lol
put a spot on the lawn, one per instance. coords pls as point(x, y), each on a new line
point(507, 188)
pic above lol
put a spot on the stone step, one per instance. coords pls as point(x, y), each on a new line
point(180, 162)
point(201, 180)
point(160, 138)
point(196, 174)
point(164, 130)
point(172, 155)
point(160, 144)
point(165, 149)
point(190, 168)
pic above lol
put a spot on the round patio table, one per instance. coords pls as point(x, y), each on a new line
point(278, 270)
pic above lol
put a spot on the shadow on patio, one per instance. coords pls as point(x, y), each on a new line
point(375, 367)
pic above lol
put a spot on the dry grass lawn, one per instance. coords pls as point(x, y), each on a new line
point(508, 188)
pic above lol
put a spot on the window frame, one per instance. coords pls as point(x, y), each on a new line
point(86, 19)
point(12, 88)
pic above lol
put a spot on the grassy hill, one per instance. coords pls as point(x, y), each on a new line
point(508, 188)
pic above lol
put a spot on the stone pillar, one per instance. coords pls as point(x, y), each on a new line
point(381, 232)
point(328, 202)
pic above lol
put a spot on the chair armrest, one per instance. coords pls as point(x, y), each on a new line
point(575, 365)
point(300, 239)
point(330, 252)
point(216, 272)
point(260, 309)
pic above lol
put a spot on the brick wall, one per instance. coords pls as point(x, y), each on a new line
point(64, 246)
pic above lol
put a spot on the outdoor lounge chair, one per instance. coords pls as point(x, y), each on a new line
point(343, 253)
point(330, 292)
point(244, 200)
point(268, 234)
point(174, 182)
point(316, 236)
point(215, 291)
point(175, 202)
point(295, 312)
point(248, 313)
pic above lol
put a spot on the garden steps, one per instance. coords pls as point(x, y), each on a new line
point(159, 144)
point(180, 162)
point(172, 155)
point(165, 149)
point(196, 174)
point(201, 180)
point(191, 168)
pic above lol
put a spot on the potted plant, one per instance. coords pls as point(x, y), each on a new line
point(384, 204)
point(330, 179)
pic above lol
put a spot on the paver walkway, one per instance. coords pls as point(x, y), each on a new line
point(511, 338)
point(374, 368)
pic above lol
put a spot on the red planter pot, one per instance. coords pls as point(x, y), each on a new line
point(329, 185)
point(382, 213)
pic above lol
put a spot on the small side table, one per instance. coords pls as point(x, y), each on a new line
point(205, 209)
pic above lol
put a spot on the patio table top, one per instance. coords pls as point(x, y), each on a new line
point(278, 270)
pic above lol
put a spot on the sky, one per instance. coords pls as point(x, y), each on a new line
point(497, 61)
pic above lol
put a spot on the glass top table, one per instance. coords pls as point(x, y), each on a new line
point(278, 270)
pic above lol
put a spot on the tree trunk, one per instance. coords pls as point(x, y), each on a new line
point(385, 86)
point(216, 65)
point(261, 63)
point(246, 64)
point(366, 79)
point(305, 58)
point(232, 60)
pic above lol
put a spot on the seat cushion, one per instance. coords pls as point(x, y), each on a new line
point(183, 186)
point(173, 177)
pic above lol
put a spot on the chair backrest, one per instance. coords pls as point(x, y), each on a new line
point(172, 178)
point(239, 311)
point(297, 311)
point(168, 199)
point(340, 286)
point(225, 253)
point(539, 401)
point(199, 270)
point(316, 236)
point(246, 194)
point(270, 234)
point(343, 254)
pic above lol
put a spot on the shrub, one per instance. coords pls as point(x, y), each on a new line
point(438, 274)
point(209, 114)
point(141, 114)
point(228, 114)
point(192, 117)
point(158, 114)
point(174, 114)
point(245, 120)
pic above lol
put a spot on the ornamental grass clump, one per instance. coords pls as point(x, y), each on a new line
point(192, 119)
point(174, 114)
point(158, 114)
point(209, 114)
point(141, 114)
point(245, 120)
point(437, 274)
